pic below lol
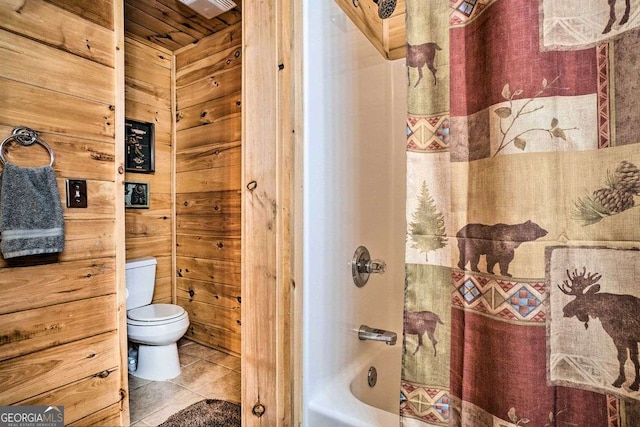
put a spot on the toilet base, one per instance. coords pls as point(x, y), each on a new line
point(157, 362)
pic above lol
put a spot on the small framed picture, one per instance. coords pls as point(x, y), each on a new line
point(136, 195)
point(139, 146)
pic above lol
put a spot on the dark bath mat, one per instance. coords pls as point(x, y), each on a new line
point(206, 413)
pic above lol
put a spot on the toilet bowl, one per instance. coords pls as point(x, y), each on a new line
point(156, 328)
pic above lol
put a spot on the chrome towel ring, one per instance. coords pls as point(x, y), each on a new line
point(25, 136)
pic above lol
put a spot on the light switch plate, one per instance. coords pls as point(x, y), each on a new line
point(76, 193)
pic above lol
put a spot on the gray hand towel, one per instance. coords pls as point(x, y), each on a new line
point(31, 219)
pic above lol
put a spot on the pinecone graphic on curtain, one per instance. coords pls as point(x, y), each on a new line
point(427, 231)
point(628, 178)
point(616, 197)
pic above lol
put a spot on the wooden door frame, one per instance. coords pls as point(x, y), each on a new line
point(119, 225)
point(271, 125)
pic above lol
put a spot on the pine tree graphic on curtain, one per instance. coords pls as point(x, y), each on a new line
point(427, 230)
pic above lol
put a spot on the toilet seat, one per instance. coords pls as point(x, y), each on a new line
point(155, 314)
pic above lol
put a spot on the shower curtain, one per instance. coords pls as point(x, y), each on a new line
point(522, 299)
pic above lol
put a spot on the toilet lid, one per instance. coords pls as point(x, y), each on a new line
point(155, 312)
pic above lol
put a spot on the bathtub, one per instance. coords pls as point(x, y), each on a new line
point(348, 401)
point(353, 194)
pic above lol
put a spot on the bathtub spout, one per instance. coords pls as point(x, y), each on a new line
point(387, 337)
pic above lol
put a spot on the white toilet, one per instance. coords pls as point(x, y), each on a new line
point(154, 327)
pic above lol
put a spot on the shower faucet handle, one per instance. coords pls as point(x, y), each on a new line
point(362, 266)
point(375, 266)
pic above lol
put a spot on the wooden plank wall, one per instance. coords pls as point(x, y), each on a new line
point(59, 340)
point(148, 87)
point(272, 120)
point(208, 168)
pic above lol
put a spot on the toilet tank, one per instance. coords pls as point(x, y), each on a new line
point(140, 278)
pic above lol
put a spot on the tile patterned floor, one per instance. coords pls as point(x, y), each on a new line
point(206, 374)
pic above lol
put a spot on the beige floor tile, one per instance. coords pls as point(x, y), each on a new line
point(226, 360)
point(152, 397)
point(161, 415)
point(198, 374)
point(183, 341)
point(206, 374)
point(197, 350)
point(187, 359)
point(135, 382)
point(224, 388)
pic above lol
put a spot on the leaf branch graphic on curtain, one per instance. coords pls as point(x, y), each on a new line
point(427, 229)
point(616, 197)
point(509, 117)
point(516, 420)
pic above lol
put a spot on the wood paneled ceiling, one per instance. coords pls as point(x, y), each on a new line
point(171, 24)
point(388, 36)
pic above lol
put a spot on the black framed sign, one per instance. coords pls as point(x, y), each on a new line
point(136, 195)
point(139, 146)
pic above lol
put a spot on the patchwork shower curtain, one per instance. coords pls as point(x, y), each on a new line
point(522, 302)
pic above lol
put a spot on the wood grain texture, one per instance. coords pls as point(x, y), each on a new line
point(61, 29)
point(59, 75)
point(213, 248)
point(24, 377)
point(207, 314)
point(161, 30)
point(107, 417)
point(171, 24)
point(388, 36)
point(271, 107)
point(397, 35)
point(215, 337)
point(169, 17)
point(28, 61)
point(91, 159)
point(83, 397)
point(142, 247)
point(149, 113)
point(84, 239)
point(207, 182)
point(140, 31)
point(146, 54)
point(217, 179)
point(54, 112)
point(209, 203)
point(216, 294)
point(89, 239)
point(209, 214)
point(100, 193)
point(219, 225)
point(118, 178)
point(225, 155)
point(148, 81)
point(215, 271)
point(147, 93)
point(208, 46)
point(221, 132)
point(213, 111)
point(28, 331)
point(47, 285)
point(143, 223)
point(224, 60)
point(212, 25)
point(210, 87)
point(99, 12)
